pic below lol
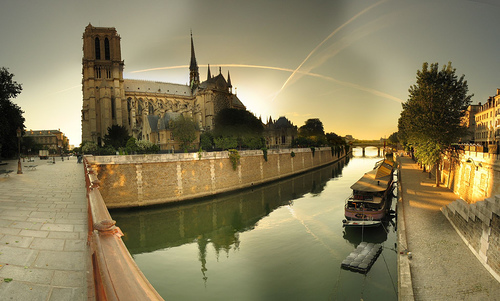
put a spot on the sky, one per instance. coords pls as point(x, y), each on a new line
point(349, 63)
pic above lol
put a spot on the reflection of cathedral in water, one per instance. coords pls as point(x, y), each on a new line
point(218, 221)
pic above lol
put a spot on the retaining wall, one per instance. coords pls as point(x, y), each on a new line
point(479, 226)
point(141, 180)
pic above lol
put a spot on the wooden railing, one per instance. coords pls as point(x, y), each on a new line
point(113, 273)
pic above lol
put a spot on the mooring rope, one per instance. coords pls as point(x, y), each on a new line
point(390, 276)
point(336, 289)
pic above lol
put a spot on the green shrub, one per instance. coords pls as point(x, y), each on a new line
point(234, 156)
point(264, 151)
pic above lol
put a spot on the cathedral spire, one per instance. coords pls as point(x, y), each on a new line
point(194, 76)
point(229, 82)
point(208, 74)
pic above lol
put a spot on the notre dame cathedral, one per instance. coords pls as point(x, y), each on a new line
point(143, 107)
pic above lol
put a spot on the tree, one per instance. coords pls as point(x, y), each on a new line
point(206, 141)
point(117, 136)
point(334, 139)
point(11, 115)
point(146, 147)
point(131, 146)
point(431, 117)
point(240, 124)
point(184, 130)
point(29, 145)
point(393, 138)
point(89, 147)
point(225, 142)
point(313, 131)
point(312, 127)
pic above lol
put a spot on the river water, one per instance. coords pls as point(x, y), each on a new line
point(281, 241)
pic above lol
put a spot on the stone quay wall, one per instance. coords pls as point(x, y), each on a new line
point(479, 226)
point(142, 180)
point(475, 176)
point(475, 179)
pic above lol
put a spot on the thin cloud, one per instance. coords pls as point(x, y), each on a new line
point(324, 77)
point(64, 90)
point(326, 39)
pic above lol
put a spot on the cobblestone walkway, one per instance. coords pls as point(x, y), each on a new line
point(442, 266)
point(43, 228)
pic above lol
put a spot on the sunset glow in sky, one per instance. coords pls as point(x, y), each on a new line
point(348, 63)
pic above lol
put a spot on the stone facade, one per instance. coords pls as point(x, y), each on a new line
point(109, 99)
point(140, 180)
point(53, 140)
point(280, 133)
point(474, 176)
point(487, 119)
point(479, 226)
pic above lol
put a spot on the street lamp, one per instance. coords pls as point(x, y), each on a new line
point(470, 160)
point(19, 169)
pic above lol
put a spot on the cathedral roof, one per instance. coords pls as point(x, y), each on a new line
point(236, 102)
point(217, 82)
point(145, 86)
point(282, 122)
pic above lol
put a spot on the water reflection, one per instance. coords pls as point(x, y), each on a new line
point(282, 241)
point(219, 220)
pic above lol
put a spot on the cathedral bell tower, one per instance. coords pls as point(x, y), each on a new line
point(104, 102)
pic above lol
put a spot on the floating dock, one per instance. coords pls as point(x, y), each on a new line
point(362, 258)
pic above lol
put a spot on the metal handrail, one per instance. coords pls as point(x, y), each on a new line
point(114, 273)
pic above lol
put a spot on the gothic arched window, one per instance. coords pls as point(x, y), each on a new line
point(97, 49)
point(113, 107)
point(106, 49)
point(151, 109)
point(129, 110)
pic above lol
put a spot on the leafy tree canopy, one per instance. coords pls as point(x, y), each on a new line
point(311, 134)
point(393, 138)
point(184, 130)
point(237, 123)
point(312, 128)
point(431, 117)
point(11, 115)
point(334, 139)
point(225, 143)
point(240, 125)
point(117, 136)
point(206, 141)
point(436, 105)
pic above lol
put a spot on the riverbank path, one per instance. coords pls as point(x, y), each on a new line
point(43, 231)
point(442, 267)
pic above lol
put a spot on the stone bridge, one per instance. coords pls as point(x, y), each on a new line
point(379, 144)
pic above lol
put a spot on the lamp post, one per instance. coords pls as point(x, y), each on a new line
point(19, 169)
point(470, 160)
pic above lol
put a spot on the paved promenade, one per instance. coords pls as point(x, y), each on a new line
point(442, 266)
point(43, 232)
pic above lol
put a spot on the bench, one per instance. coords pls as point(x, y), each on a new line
point(5, 172)
point(31, 167)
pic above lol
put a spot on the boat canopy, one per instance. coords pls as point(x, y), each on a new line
point(384, 169)
point(375, 180)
